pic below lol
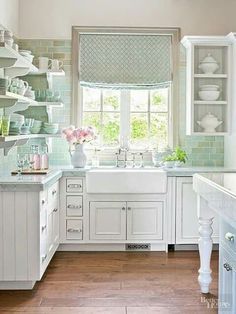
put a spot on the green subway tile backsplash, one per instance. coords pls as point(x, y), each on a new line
point(202, 151)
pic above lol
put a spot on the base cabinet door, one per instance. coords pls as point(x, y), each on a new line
point(107, 220)
point(144, 220)
point(227, 283)
point(186, 214)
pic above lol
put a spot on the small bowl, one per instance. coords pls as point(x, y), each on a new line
point(210, 87)
point(169, 164)
point(209, 95)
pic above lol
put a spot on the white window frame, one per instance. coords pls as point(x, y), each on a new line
point(125, 114)
point(76, 108)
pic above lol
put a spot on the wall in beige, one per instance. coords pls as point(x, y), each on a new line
point(9, 15)
point(54, 18)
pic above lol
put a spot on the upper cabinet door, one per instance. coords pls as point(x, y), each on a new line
point(107, 220)
point(145, 220)
point(208, 84)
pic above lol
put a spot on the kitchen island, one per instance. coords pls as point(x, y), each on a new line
point(217, 192)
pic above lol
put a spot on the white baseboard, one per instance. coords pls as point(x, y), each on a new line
point(17, 285)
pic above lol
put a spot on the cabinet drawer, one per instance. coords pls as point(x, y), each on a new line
point(74, 185)
point(74, 229)
point(228, 235)
point(74, 205)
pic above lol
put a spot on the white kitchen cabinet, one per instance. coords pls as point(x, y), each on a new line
point(29, 235)
point(197, 49)
point(227, 282)
point(126, 221)
point(107, 220)
point(72, 210)
point(145, 220)
point(186, 213)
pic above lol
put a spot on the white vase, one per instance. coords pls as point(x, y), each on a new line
point(78, 157)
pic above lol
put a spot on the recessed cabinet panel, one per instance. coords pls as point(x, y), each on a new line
point(74, 229)
point(74, 185)
point(74, 205)
point(145, 220)
point(186, 214)
point(108, 220)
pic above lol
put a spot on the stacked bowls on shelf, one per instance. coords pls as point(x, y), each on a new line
point(14, 128)
point(209, 92)
point(36, 127)
point(8, 38)
point(27, 54)
point(16, 122)
point(50, 128)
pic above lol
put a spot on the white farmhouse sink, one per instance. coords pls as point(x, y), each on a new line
point(125, 180)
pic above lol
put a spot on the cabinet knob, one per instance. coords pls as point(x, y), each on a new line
point(54, 192)
point(227, 266)
point(74, 230)
point(229, 236)
point(44, 228)
point(43, 202)
point(55, 210)
point(44, 257)
point(123, 208)
point(129, 208)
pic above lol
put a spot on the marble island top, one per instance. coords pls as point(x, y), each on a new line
point(40, 182)
point(219, 192)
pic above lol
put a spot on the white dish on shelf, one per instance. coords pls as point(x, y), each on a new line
point(209, 95)
point(209, 87)
point(208, 65)
point(209, 123)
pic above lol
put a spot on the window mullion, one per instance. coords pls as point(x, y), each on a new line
point(125, 118)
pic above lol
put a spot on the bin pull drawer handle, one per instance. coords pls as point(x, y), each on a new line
point(229, 236)
point(74, 186)
point(70, 206)
point(74, 230)
point(227, 267)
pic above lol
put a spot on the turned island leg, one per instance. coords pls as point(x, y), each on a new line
point(205, 249)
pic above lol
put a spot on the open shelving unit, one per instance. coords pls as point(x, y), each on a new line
point(220, 48)
point(12, 64)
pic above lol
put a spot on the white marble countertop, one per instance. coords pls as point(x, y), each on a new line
point(40, 182)
point(219, 190)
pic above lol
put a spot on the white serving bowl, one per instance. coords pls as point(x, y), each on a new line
point(209, 95)
point(209, 87)
point(208, 67)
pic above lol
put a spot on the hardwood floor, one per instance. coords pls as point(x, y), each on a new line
point(116, 283)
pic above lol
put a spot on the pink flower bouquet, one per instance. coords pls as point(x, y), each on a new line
point(78, 135)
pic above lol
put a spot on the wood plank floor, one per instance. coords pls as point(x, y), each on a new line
point(116, 283)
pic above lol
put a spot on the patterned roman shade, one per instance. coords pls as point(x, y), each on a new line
point(125, 61)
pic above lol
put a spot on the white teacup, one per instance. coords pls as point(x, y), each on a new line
point(56, 65)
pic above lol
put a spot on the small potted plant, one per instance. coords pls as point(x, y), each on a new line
point(176, 159)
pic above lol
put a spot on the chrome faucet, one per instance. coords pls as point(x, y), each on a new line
point(125, 158)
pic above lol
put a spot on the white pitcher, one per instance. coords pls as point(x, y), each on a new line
point(44, 64)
